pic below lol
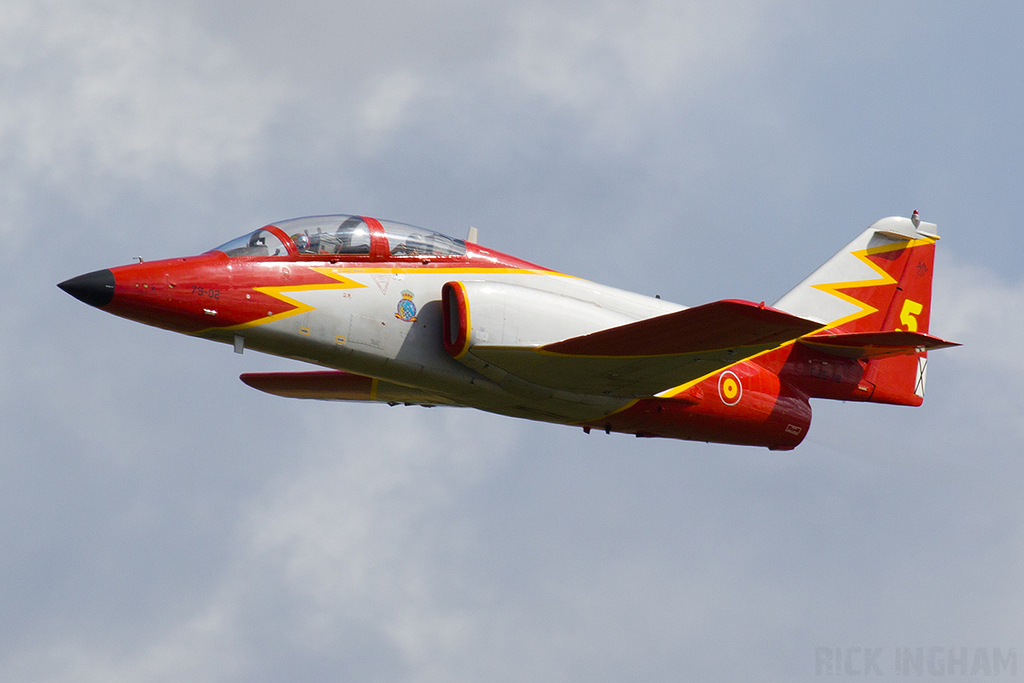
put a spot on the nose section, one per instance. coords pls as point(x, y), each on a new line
point(95, 289)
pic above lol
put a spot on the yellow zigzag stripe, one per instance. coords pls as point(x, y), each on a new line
point(278, 292)
point(883, 279)
point(831, 288)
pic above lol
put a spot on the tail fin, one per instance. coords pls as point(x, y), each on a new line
point(879, 283)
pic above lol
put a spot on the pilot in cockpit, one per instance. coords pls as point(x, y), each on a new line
point(353, 237)
point(301, 240)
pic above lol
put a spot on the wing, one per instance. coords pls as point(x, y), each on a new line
point(649, 356)
point(335, 385)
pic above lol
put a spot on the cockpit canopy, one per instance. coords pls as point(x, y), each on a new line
point(343, 235)
point(260, 242)
point(328, 234)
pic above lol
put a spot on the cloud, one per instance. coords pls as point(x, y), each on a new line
point(365, 75)
point(162, 521)
point(385, 106)
point(97, 91)
point(351, 555)
point(615, 54)
point(975, 306)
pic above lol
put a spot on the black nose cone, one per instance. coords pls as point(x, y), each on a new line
point(95, 289)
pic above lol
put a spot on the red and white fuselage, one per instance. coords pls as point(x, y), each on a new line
point(399, 314)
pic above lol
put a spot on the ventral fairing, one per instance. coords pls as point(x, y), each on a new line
point(402, 315)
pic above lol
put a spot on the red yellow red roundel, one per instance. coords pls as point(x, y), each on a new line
point(729, 388)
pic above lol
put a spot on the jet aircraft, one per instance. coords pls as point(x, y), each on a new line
point(403, 315)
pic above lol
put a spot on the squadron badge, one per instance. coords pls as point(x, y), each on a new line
point(406, 308)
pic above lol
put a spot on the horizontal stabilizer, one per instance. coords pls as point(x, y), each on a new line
point(335, 385)
point(718, 325)
point(863, 345)
point(648, 356)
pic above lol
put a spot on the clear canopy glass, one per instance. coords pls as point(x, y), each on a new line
point(328, 234)
point(408, 240)
point(341, 234)
point(260, 242)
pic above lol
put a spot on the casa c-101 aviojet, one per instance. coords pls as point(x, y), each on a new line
point(403, 315)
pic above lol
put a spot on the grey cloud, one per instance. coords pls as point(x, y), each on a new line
point(161, 520)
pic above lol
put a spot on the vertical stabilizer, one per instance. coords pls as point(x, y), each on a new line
point(880, 282)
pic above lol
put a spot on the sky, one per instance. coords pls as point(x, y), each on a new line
point(162, 521)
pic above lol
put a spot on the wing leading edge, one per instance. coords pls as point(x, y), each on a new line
point(648, 356)
point(337, 385)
